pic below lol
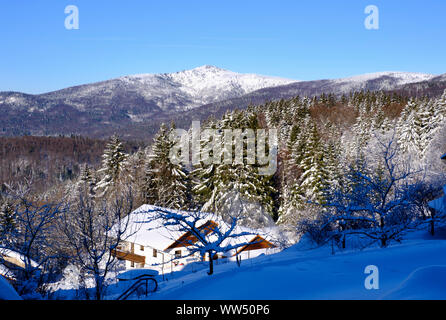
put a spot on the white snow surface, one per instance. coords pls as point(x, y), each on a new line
point(415, 269)
point(132, 274)
point(7, 292)
point(425, 283)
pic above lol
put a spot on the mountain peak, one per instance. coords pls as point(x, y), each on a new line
point(202, 69)
point(209, 67)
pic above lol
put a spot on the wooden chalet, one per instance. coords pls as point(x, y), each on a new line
point(188, 239)
point(256, 244)
point(152, 245)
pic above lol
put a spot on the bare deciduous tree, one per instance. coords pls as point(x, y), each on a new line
point(379, 202)
point(203, 235)
point(93, 230)
point(30, 241)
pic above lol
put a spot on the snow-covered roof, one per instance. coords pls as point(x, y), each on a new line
point(17, 256)
point(146, 231)
point(439, 204)
point(5, 271)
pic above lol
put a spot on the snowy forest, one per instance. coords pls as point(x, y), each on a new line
point(366, 164)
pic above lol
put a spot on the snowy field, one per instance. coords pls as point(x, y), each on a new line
point(415, 269)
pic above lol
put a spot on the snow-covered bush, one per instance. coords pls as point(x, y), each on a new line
point(379, 200)
point(92, 231)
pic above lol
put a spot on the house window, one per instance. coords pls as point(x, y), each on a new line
point(132, 264)
point(155, 253)
point(141, 248)
point(177, 254)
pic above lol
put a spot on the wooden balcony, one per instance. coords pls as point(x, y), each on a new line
point(129, 256)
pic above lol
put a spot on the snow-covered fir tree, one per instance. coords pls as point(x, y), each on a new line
point(314, 176)
point(218, 183)
point(170, 181)
point(86, 183)
point(8, 222)
point(114, 160)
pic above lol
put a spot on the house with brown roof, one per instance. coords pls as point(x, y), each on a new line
point(157, 247)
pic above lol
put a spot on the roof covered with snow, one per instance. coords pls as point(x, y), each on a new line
point(17, 256)
point(145, 230)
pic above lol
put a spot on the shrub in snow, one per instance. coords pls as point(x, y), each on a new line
point(93, 230)
point(378, 202)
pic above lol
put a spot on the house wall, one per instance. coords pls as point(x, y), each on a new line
point(163, 262)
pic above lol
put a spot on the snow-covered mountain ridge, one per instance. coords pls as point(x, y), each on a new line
point(167, 92)
point(388, 80)
point(401, 77)
point(135, 105)
point(205, 84)
point(198, 86)
point(185, 90)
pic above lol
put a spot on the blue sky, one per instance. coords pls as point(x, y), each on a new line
point(302, 40)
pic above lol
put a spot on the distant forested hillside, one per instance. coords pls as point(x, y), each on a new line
point(48, 161)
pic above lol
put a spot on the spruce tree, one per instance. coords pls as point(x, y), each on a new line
point(314, 176)
point(170, 181)
point(86, 183)
point(219, 184)
point(8, 222)
point(114, 160)
point(149, 191)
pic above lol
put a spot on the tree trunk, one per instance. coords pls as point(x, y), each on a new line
point(383, 235)
point(432, 227)
point(383, 242)
point(211, 263)
point(99, 286)
point(98, 294)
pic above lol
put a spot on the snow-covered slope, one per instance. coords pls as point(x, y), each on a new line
point(412, 270)
point(415, 269)
point(7, 292)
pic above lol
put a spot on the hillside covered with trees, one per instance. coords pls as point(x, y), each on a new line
point(364, 164)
